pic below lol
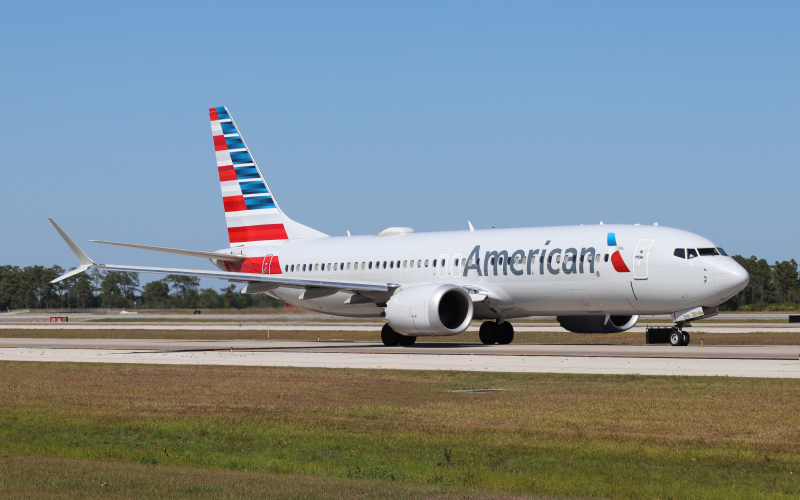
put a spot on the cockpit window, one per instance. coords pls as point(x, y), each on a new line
point(680, 253)
point(691, 253)
point(721, 251)
point(705, 252)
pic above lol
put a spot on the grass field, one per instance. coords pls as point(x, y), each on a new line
point(766, 337)
point(392, 433)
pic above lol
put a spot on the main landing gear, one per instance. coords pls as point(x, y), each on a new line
point(679, 338)
point(496, 333)
point(391, 338)
point(673, 335)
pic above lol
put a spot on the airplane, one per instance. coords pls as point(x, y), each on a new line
point(594, 278)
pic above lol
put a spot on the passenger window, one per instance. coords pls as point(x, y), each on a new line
point(442, 262)
point(434, 262)
point(691, 253)
point(370, 265)
point(348, 266)
point(316, 267)
point(391, 265)
point(304, 267)
point(426, 262)
point(398, 264)
point(558, 259)
point(405, 264)
point(605, 259)
point(455, 262)
point(680, 253)
point(323, 266)
point(588, 257)
point(384, 264)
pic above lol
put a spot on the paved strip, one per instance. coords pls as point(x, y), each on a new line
point(734, 361)
point(519, 327)
point(488, 363)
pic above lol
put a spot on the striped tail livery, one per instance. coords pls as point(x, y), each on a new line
point(252, 214)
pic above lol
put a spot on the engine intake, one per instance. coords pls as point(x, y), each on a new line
point(597, 324)
point(430, 310)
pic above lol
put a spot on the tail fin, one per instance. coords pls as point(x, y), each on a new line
point(251, 212)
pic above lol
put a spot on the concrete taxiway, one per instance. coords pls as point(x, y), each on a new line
point(734, 361)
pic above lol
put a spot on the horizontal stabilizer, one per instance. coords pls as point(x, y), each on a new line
point(179, 251)
point(355, 286)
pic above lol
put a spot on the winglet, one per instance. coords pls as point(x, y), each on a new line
point(83, 259)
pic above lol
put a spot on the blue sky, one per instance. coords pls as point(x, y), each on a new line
point(365, 115)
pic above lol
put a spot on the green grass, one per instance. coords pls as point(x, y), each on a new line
point(543, 434)
point(43, 477)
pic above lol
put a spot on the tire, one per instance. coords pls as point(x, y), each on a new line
point(407, 341)
point(505, 333)
point(676, 337)
point(390, 337)
point(686, 339)
point(488, 332)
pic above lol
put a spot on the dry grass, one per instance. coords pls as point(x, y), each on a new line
point(555, 337)
point(547, 434)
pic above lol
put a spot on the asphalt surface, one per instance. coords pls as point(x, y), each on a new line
point(735, 361)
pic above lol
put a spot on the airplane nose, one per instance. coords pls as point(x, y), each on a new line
point(729, 277)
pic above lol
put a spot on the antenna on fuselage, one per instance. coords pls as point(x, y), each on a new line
point(471, 229)
point(348, 234)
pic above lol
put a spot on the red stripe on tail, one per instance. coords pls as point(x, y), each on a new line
point(212, 112)
point(263, 232)
point(234, 203)
point(227, 173)
point(219, 143)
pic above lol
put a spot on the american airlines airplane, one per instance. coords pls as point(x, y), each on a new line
point(594, 279)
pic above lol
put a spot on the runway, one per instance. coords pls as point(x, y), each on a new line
point(733, 361)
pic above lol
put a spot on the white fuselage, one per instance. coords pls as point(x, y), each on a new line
point(576, 276)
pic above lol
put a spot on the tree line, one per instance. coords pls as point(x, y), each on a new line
point(30, 288)
point(773, 287)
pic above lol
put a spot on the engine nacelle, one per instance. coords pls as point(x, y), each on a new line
point(429, 310)
point(597, 324)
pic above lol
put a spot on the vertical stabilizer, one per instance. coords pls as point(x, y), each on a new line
point(251, 211)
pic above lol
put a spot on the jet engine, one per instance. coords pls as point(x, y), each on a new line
point(429, 310)
point(597, 324)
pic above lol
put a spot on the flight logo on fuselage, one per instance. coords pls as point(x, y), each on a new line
point(550, 260)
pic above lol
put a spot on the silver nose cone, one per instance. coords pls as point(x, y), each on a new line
point(729, 277)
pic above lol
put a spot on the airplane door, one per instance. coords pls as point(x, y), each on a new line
point(266, 264)
point(442, 265)
point(458, 264)
point(640, 259)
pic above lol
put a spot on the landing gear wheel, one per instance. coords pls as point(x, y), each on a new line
point(488, 332)
point(407, 341)
point(676, 337)
point(505, 333)
point(390, 337)
point(686, 339)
